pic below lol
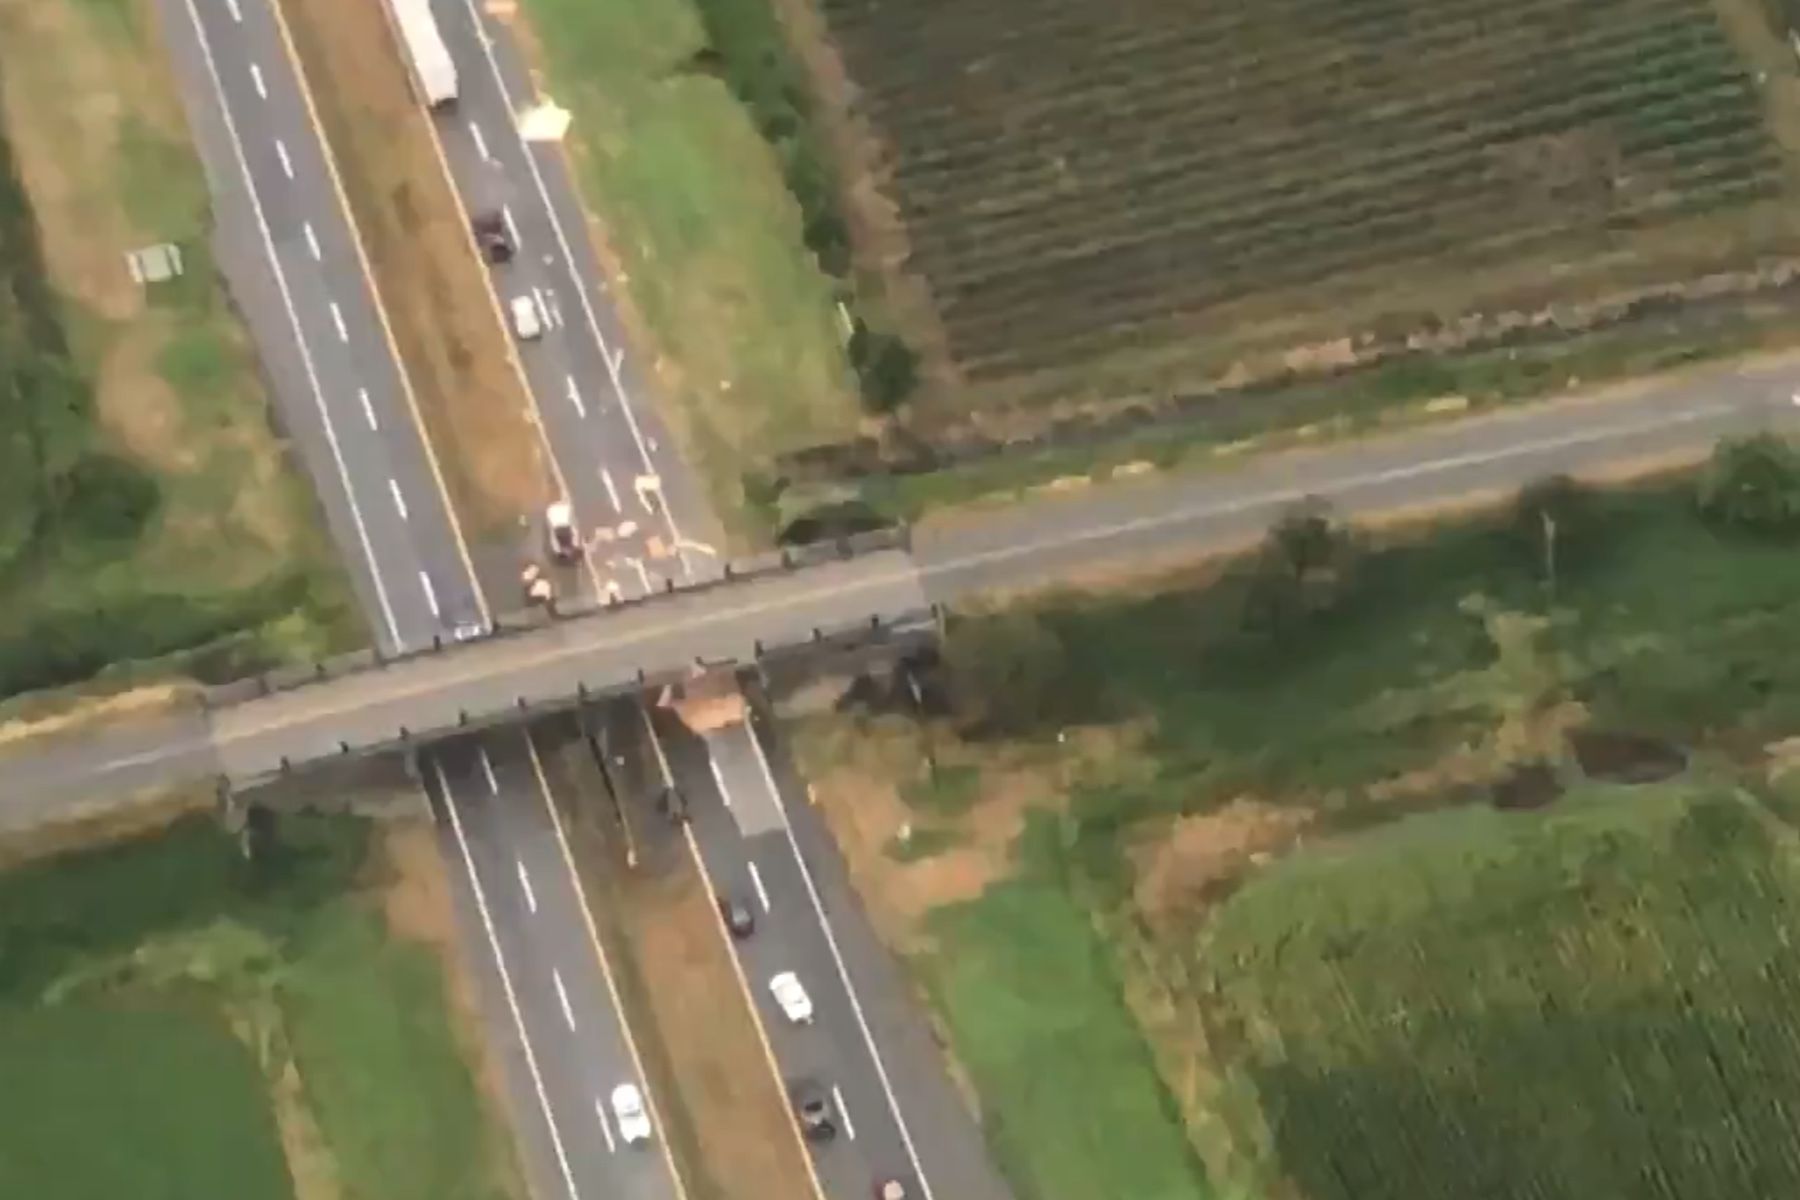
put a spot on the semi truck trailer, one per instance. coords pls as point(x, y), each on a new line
point(433, 71)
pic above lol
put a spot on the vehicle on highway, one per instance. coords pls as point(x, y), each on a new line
point(889, 1189)
point(628, 1111)
point(527, 322)
point(796, 1005)
point(812, 1106)
point(432, 66)
point(492, 236)
point(559, 528)
point(737, 916)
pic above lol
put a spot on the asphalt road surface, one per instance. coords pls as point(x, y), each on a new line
point(286, 245)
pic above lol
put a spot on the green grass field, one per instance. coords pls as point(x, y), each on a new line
point(691, 200)
point(1595, 1000)
point(150, 520)
point(1069, 1094)
point(155, 994)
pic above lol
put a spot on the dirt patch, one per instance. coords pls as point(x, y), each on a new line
point(450, 338)
point(1531, 786)
point(415, 898)
point(1195, 857)
point(309, 1160)
point(1626, 757)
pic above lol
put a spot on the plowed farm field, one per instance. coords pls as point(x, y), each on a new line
point(1156, 188)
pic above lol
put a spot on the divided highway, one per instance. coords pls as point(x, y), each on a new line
point(289, 248)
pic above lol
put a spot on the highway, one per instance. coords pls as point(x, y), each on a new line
point(288, 248)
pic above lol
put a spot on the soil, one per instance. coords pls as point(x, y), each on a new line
point(1531, 786)
point(1195, 857)
point(416, 900)
point(449, 333)
point(1626, 757)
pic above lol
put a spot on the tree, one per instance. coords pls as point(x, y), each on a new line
point(1004, 670)
point(887, 367)
point(1302, 569)
point(1753, 484)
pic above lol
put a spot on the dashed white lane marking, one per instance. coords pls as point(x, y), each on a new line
point(399, 500)
point(525, 886)
point(237, 14)
point(287, 164)
point(757, 883)
point(337, 318)
point(312, 240)
point(844, 1112)
point(575, 397)
point(480, 141)
point(487, 769)
point(605, 1127)
point(612, 493)
point(257, 79)
point(512, 229)
point(368, 408)
point(430, 595)
point(562, 997)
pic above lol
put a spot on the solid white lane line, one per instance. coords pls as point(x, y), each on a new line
point(562, 242)
point(605, 1126)
point(257, 79)
point(719, 779)
point(399, 500)
point(643, 575)
point(487, 769)
point(612, 493)
point(757, 883)
point(575, 397)
point(525, 886)
point(480, 141)
point(837, 958)
point(337, 318)
point(512, 230)
point(430, 595)
point(562, 998)
point(237, 14)
point(844, 1112)
point(512, 998)
point(293, 314)
point(287, 164)
point(368, 408)
point(312, 240)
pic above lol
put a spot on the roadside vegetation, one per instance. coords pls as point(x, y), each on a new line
point(150, 521)
point(1264, 823)
point(179, 1020)
point(709, 246)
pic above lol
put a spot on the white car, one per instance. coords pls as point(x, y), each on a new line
point(527, 322)
point(559, 527)
point(628, 1111)
point(796, 1005)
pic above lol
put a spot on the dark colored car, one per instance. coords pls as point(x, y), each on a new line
point(812, 1107)
point(491, 235)
point(738, 917)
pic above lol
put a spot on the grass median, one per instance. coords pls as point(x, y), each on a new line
point(450, 340)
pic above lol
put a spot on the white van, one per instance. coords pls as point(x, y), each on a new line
point(526, 321)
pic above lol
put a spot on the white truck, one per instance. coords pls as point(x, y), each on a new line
point(425, 49)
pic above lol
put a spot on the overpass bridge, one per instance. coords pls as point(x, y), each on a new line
point(541, 661)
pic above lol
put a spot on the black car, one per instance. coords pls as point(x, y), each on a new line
point(812, 1106)
point(492, 236)
point(738, 917)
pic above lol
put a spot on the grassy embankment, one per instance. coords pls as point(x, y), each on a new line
point(1084, 868)
point(150, 522)
point(179, 1022)
point(708, 243)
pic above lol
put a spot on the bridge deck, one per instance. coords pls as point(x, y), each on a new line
point(482, 681)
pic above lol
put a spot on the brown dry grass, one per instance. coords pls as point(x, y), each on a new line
point(726, 1117)
point(416, 901)
point(450, 338)
point(103, 151)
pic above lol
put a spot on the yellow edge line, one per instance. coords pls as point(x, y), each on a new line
point(362, 258)
point(593, 932)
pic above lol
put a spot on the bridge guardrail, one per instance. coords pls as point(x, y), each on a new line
point(734, 571)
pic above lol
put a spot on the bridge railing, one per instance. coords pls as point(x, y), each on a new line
point(786, 560)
